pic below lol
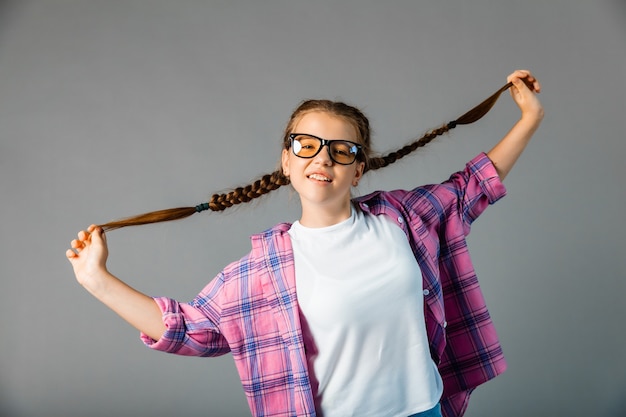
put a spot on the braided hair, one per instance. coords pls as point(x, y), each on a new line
point(276, 179)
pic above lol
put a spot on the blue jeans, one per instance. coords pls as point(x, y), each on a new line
point(433, 412)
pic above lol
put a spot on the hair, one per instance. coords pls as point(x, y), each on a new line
point(276, 179)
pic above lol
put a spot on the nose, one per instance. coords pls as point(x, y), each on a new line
point(322, 157)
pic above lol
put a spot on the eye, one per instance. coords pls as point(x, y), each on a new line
point(343, 149)
point(308, 143)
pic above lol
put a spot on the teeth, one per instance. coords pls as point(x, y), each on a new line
point(319, 177)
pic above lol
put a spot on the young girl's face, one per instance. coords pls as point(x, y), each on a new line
point(322, 184)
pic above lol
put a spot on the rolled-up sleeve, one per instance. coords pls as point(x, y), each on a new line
point(478, 186)
point(487, 177)
point(190, 330)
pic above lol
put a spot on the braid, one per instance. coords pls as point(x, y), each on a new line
point(390, 158)
point(265, 184)
point(471, 116)
point(273, 181)
point(218, 202)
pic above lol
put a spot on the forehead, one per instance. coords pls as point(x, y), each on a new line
point(326, 126)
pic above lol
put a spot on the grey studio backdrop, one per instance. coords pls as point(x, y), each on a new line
point(114, 108)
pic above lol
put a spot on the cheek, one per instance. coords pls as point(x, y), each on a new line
point(292, 165)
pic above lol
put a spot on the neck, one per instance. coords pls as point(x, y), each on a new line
point(325, 216)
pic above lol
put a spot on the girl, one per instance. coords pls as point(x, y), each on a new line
point(328, 316)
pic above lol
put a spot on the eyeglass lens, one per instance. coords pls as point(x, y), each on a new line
point(342, 152)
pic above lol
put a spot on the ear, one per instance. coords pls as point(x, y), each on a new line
point(358, 174)
point(284, 162)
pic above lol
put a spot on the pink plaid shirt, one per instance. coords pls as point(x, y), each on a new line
point(251, 310)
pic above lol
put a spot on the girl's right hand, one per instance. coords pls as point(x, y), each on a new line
point(88, 256)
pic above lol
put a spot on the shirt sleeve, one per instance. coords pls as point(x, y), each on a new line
point(474, 189)
point(191, 328)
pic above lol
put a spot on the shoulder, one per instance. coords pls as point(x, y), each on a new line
point(469, 190)
point(271, 239)
point(478, 176)
point(420, 199)
point(267, 246)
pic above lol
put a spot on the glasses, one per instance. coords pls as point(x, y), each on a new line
point(340, 151)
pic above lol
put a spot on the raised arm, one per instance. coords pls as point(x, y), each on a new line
point(88, 258)
point(524, 92)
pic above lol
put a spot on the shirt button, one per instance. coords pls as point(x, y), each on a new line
point(365, 205)
point(400, 220)
point(445, 324)
point(426, 292)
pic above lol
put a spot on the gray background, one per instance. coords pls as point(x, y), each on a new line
point(112, 108)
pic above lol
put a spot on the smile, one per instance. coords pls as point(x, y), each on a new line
point(319, 177)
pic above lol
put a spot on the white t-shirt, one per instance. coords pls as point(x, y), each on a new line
point(359, 288)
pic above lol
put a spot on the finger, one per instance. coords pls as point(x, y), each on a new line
point(77, 244)
point(532, 84)
point(517, 76)
point(522, 73)
point(518, 85)
point(521, 86)
point(70, 254)
point(536, 85)
point(83, 235)
point(98, 234)
point(527, 77)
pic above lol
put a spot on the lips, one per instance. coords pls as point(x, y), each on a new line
point(319, 177)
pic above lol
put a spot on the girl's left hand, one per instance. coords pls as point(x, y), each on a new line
point(524, 92)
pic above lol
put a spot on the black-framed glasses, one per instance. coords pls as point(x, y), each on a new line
point(340, 151)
